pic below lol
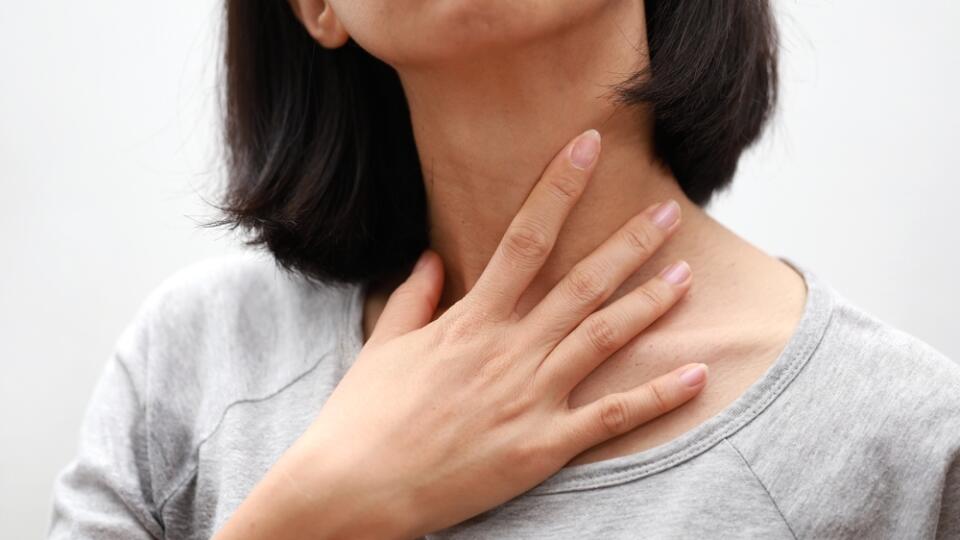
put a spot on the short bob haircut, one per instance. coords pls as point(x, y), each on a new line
point(321, 161)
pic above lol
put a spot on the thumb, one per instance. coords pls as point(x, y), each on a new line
point(413, 303)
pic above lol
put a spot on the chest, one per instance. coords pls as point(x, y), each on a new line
point(734, 367)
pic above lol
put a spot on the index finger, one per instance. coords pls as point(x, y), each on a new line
point(530, 237)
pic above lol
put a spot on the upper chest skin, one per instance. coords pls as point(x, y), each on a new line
point(739, 340)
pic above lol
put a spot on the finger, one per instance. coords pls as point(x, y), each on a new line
point(532, 233)
point(413, 303)
point(591, 281)
point(618, 413)
point(606, 331)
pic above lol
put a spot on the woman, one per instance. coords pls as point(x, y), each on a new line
point(561, 294)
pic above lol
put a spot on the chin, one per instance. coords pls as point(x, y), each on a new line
point(417, 31)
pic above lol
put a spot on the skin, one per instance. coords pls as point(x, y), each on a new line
point(491, 416)
point(495, 88)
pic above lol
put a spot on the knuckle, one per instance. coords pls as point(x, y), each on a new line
point(565, 187)
point(520, 453)
point(650, 297)
point(412, 295)
point(601, 335)
point(658, 399)
point(494, 371)
point(462, 327)
point(516, 406)
point(526, 244)
point(586, 286)
point(639, 238)
point(403, 291)
point(614, 414)
point(409, 296)
point(528, 452)
point(495, 362)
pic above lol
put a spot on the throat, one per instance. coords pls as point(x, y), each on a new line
point(486, 128)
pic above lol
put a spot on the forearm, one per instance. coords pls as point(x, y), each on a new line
point(305, 496)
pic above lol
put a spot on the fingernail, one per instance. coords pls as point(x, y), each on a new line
point(676, 273)
point(421, 261)
point(585, 149)
point(666, 214)
point(694, 375)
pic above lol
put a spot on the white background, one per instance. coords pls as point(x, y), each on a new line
point(108, 136)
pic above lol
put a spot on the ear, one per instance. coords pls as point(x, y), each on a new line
point(321, 22)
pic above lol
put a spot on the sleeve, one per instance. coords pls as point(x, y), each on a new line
point(948, 526)
point(106, 490)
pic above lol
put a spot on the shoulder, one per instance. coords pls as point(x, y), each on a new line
point(244, 296)
point(243, 282)
point(865, 379)
point(894, 386)
point(886, 365)
point(870, 425)
point(223, 331)
point(221, 318)
point(862, 376)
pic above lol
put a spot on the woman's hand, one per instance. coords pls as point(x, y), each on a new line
point(438, 421)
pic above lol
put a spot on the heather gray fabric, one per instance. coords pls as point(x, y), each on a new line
point(854, 431)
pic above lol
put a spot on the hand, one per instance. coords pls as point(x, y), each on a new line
point(438, 421)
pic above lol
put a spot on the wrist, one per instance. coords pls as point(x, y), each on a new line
point(339, 495)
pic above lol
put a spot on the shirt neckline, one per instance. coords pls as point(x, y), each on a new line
point(807, 335)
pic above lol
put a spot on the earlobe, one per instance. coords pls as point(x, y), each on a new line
point(318, 17)
point(332, 34)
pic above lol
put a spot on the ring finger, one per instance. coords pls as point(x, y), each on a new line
point(595, 278)
point(608, 330)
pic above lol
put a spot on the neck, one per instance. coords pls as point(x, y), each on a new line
point(486, 128)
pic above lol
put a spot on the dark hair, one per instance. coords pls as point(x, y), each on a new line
point(322, 164)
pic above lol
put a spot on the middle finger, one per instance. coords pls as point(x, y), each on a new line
point(594, 279)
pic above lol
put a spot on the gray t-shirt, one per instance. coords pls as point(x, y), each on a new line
point(853, 432)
